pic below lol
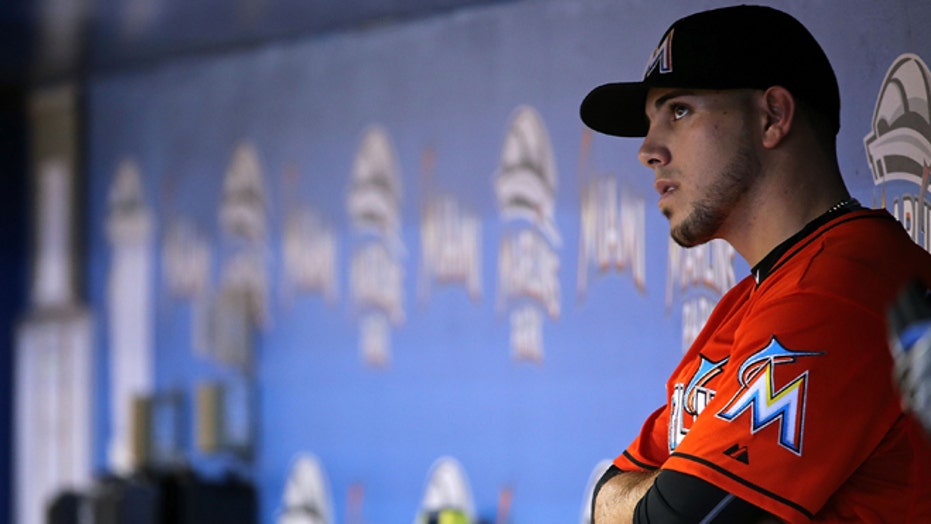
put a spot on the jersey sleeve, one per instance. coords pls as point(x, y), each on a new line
point(650, 449)
point(806, 396)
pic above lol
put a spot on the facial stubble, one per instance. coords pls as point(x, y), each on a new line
point(711, 211)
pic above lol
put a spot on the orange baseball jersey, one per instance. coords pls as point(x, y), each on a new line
point(787, 398)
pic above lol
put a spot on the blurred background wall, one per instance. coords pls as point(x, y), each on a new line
point(363, 256)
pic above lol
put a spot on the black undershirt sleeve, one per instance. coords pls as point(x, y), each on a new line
point(679, 498)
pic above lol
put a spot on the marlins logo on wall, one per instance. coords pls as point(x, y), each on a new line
point(450, 239)
point(241, 304)
point(612, 225)
point(447, 498)
point(306, 498)
point(697, 278)
point(528, 260)
point(309, 248)
point(376, 273)
point(899, 146)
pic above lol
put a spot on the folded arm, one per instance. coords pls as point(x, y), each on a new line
point(617, 493)
point(669, 497)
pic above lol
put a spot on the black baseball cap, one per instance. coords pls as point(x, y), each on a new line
point(753, 47)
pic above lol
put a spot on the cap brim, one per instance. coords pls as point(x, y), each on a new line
point(616, 109)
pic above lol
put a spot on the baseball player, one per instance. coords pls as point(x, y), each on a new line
point(785, 406)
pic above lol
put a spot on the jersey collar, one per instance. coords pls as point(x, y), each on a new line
point(766, 266)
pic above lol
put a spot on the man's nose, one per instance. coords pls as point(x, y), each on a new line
point(652, 152)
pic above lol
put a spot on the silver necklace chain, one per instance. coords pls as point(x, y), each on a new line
point(840, 205)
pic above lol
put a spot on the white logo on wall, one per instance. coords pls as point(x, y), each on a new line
point(306, 498)
point(376, 275)
point(448, 495)
point(699, 276)
point(186, 259)
point(310, 253)
point(186, 262)
point(899, 146)
point(309, 248)
point(450, 240)
point(528, 265)
point(242, 302)
point(612, 228)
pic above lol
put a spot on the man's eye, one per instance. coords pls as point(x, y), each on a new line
point(679, 111)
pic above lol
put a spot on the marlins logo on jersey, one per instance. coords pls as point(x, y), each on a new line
point(766, 405)
point(757, 395)
point(689, 400)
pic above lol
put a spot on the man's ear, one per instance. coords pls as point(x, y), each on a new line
point(778, 115)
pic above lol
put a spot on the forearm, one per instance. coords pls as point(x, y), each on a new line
point(617, 498)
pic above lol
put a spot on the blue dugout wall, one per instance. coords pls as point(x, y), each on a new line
point(483, 279)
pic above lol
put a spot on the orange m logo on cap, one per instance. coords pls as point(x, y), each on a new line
point(662, 56)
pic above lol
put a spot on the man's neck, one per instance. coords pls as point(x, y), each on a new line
point(778, 208)
point(762, 269)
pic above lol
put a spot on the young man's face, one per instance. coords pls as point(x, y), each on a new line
point(701, 148)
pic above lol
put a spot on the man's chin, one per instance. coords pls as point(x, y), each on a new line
point(681, 242)
point(686, 240)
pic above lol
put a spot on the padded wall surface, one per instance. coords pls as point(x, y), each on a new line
point(436, 258)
